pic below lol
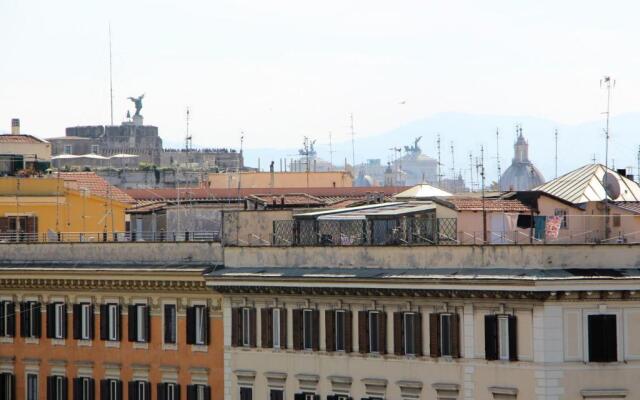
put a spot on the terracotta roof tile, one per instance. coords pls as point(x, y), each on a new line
point(631, 206)
point(20, 139)
point(96, 185)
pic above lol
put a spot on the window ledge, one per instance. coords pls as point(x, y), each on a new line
point(32, 340)
point(604, 393)
point(202, 348)
point(112, 343)
point(6, 339)
point(85, 342)
point(58, 342)
point(169, 346)
point(141, 345)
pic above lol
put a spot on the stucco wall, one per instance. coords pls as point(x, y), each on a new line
point(525, 256)
point(243, 227)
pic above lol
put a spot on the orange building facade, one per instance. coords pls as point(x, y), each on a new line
point(109, 333)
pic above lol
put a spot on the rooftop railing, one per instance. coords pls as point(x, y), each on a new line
point(95, 237)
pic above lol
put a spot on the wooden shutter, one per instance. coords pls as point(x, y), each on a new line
point(315, 330)
point(51, 320)
point(92, 389)
point(513, 338)
point(398, 333)
point(455, 336)
point(348, 331)
point(265, 332)
point(191, 325)
point(298, 396)
point(91, 322)
point(65, 385)
point(104, 322)
point(11, 320)
point(297, 329)
point(77, 388)
point(176, 391)
point(50, 388)
point(283, 328)
point(207, 392)
point(609, 338)
point(64, 321)
point(192, 392)
point(236, 327)
point(417, 328)
point(330, 333)
point(77, 327)
point(434, 335)
point(37, 315)
point(162, 387)
point(4, 224)
point(133, 391)
point(132, 321)
point(252, 327)
point(382, 336)
point(363, 331)
point(206, 324)
point(3, 317)
point(104, 389)
point(147, 323)
point(120, 391)
point(491, 337)
point(23, 319)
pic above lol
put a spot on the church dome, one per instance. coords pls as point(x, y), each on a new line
point(521, 174)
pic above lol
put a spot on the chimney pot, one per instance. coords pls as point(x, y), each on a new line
point(15, 126)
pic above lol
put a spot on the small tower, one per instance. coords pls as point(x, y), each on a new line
point(388, 176)
point(521, 148)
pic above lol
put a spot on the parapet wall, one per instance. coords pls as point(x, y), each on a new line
point(134, 253)
point(461, 256)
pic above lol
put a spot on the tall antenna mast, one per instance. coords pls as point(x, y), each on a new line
point(439, 163)
point(353, 145)
point(470, 171)
point(498, 154)
point(453, 163)
point(187, 141)
point(556, 137)
point(110, 75)
point(638, 169)
point(330, 153)
point(608, 85)
point(484, 210)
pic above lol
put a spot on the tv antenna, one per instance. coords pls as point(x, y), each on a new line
point(608, 85)
point(439, 163)
point(188, 144)
point(453, 163)
point(330, 153)
point(480, 169)
point(556, 139)
point(498, 154)
point(470, 171)
point(353, 144)
point(110, 75)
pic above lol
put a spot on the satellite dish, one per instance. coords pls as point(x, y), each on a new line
point(612, 187)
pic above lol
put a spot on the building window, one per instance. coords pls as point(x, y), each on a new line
point(308, 329)
point(616, 220)
point(561, 212)
point(407, 333)
point(110, 322)
point(276, 394)
point(56, 320)
point(338, 330)
point(7, 386)
point(7, 319)
point(602, 337)
point(30, 319)
point(340, 322)
point(500, 335)
point(306, 396)
point(83, 321)
point(139, 321)
point(95, 148)
point(410, 333)
point(243, 327)
point(32, 387)
point(446, 335)
point(83, 389)
point(68, 149)
point(246, 393)
point(198, 325)
point(338, 397)
point(168, 391)
point(275, 327)
point(110, 389)
point(198, 392)
point(372, 331)
point(139, 390)
point(170, 323)
point(56, 388)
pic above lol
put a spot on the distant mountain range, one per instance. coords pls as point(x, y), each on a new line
point(577, 144)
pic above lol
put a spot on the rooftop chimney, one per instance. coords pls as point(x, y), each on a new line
point(15, 126)
point(622, 171)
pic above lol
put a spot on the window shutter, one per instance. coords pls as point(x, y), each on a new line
point(348, 331)
point(207, 392)
point(50, 320)
point(382, 337)
point(2, 318)
point(169, 321)
point(297, 329)
point(64, 321)
point(609, 338)
point(417, 327)
point(161, 391)
point(176, 392)
point(91, 322)
point(363, 331)
point(235, 327)
point(133, 391)
point(11, 321)
point(37, 324)
point(147, 325)
point(12, 380)
point(265, 334)
point(434, 335)
point(491, 337)
point(455, 336)
point(77, 388)
point(513, 338)
point(206, 324)
point(50, 388)
point(191, 325)
point(298, 396)
point(65, 384)
point(120, 391)
point(104, 322)
point(330, 339)
point(132, 320)
point(92, 389)
point(315, 335)
point(192, 391)
point(252, 327)
point(283, 328)
point(398, 333)
point(104, 389)
point(76, 321)
point(23, 319)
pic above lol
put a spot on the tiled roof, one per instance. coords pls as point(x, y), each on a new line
point(631, 206)
point(290, 199)
point(475, 204)
point(96, 186)
point(20, 139)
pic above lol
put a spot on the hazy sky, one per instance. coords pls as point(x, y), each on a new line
point(281, 69)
